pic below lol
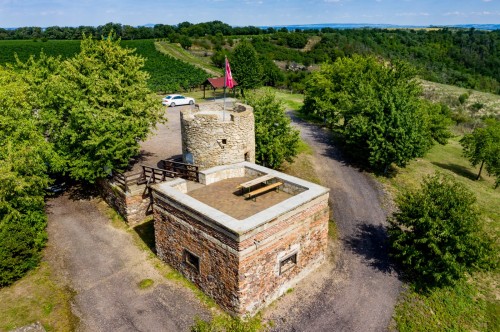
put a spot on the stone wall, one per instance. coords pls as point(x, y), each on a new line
point(133, 206)
point(218, 266)
point(305, 233)
point(212, 137)
point(242, 271)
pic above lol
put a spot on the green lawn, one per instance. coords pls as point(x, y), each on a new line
point(37, 297)
point(179, 53)
point(471, 305)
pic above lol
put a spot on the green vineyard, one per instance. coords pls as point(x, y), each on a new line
point(166, 73)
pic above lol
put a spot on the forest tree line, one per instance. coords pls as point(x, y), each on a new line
point(467, 58)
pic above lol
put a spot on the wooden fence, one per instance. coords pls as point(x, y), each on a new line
point(185, 171)
point(148, 175)
point(152, 175)
point(124, 181)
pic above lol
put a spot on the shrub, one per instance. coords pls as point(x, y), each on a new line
point(435, 235)
point(19, 251)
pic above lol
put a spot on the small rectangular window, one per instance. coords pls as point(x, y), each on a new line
point(224, 141)
point(192, 260)
point(288, 262)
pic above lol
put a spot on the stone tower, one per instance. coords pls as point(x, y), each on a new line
point(213, 137)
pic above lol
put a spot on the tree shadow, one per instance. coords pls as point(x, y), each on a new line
point(371, 242)
point(83, 191)
point(146, 232)
point(334, 149)
point(457, 169)
point(141, 157)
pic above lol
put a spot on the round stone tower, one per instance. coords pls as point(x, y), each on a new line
point(213, 137)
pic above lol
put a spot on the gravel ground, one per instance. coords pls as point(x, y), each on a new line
point(356, 290)
point(104, 267)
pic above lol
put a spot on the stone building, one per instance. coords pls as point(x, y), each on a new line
point(242, 253)
point(212, 136)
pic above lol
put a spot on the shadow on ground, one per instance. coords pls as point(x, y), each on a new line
point(334, 149)
point(146, 232)
point(82, 191)
point(457, 169)
point(372, 243)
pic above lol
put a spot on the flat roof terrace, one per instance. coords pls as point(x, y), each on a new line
point(219, 202)
point(226, 197)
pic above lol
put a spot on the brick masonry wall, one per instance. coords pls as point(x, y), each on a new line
point(244, 276)
point(218, 267)
point(304, 234)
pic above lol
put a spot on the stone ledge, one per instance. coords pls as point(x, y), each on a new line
point(242, 229)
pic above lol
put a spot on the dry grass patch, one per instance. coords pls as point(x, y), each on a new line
point(38, 297)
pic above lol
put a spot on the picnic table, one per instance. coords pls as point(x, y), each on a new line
point(260, 180)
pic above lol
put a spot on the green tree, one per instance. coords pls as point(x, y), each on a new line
point(186, 42)
point(437, 117)
point(219, 58)
point(245, 66)
point(96, 106)
point(436, 236)
point(482, 146)
point(374, 105)
point(275, 139)
point(321, 95)
point(24, 159)
point(271, 74)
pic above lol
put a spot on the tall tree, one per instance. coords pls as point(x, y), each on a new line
point(275, 139)
point(96, 106)
point(374, 105)
point(245, 67)
point(482, 146)
point(24, 159)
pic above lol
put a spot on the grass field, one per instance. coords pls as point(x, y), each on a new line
point(178, 52)
point(471, 305)
point(477, 103)
point(38, 297)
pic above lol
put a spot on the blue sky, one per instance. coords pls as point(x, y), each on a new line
point(15, 13)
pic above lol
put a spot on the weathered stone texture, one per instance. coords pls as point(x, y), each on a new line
point(304, 234)
point(214, 137)
point(242, 276)
point(218, 270)
point(133, 206)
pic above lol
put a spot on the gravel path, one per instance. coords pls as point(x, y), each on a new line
point(104, 267)
point(357, 289)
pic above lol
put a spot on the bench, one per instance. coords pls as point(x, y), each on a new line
point(256, 181)
point(264, 189)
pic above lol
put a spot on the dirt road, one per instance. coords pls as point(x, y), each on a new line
point(357, 289)
point(104, 267)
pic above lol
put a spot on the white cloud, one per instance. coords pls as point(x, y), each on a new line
point(455, 13)
point(486, 13)
point(52, 13)
point(412, 14)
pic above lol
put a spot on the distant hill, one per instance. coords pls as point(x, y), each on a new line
point(380, 26)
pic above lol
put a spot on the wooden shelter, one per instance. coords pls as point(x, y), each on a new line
point(216, 83)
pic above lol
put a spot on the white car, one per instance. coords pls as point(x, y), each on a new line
point(176, 100)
